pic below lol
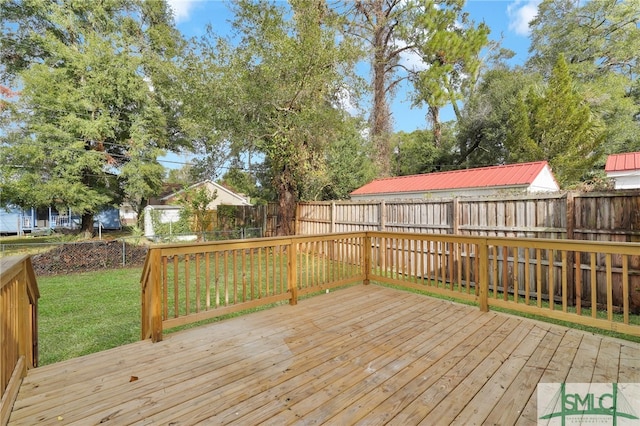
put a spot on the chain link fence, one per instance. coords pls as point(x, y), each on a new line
point(234, 234)
point(63, 258)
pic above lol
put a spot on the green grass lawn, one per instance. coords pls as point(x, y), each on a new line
point(89, 312)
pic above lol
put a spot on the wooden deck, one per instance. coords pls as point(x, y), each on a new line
point(366, 354)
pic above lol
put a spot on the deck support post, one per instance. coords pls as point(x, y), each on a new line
point(483, 279)
point(292, 273)
point(155, 308)
point(366, 258)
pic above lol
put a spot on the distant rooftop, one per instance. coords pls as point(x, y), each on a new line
point(623, 162)
point(521, 174)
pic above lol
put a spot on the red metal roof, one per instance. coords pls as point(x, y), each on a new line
point(623, 162)
point(500, 176)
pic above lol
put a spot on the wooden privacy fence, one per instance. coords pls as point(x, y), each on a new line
point(18, 327)
point(553, 278)
point(263, 216)
point(611, 216)
point(558, 279)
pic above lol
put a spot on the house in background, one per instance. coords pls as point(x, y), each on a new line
point(624, 169)
point(482, 181)
point(224, 196)
point(14, 220)
point(167, 210)
point(128, 214)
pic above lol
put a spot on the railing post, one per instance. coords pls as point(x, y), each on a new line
point(155, 305)
point(483, 279)
point(24, 329)
point(292, 273)
point(366, 254)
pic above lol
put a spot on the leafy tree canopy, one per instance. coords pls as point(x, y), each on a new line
point(556, 125)
point(600, 41)
point(90, 120)
point(277, 88)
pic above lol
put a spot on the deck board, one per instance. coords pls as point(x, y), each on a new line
point(362, 355)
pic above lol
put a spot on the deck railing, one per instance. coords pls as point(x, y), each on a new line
point(186, 283)
point(590, 283)
point(18, 327)
point(582, 282)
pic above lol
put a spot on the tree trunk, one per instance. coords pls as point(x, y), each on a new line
point(87, 225)
point(381, 114)
point(433, 116)
point(287, 201)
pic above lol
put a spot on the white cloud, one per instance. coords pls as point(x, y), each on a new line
point(181, 9)
point(410, 59)
point(520, 14)
point(346, 102)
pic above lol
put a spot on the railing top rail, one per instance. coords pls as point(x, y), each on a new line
point(616, 247)
point(9, 266)
point(12, 265)
point(562, 244)
point(168, 249)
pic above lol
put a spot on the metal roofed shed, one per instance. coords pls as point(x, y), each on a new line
point(624, 169)
point(483, 181)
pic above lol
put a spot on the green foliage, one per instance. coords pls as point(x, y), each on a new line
point(243, 182)
point(556, 126)
point(597, 182)
point(414, 153)
point(486, 120)
point(518, 140)
point(182, 177)
point(449, 44)
point(195, 203)
point(274, 91)
point(180, 227)
point(600, 41)
point(227, 216)
point(91, 114)
point(349, 166)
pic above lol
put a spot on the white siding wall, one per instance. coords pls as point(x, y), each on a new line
point(476, 192)
point(544, 182)
point(167, 214)
point(224, 197)
point(626, 180)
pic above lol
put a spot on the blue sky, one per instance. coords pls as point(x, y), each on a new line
point(508, 21)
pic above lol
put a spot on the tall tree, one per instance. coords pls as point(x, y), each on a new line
point(562, 129)
point(449, 44)
point(349, 165)
point(600, 41)
point(415, 152)
point(279, 85)
point(439, 34)
point(518, 138)
point(89, 123)
point(377, 23)
point(484, 123)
